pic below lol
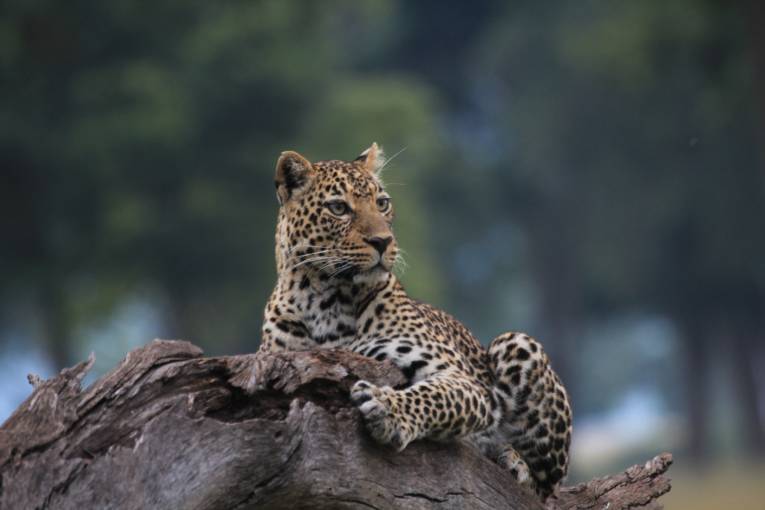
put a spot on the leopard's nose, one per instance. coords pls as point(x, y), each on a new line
point(379, 243)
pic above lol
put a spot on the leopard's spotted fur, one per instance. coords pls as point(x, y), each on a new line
point(334, 251)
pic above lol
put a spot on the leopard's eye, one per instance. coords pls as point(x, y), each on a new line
point(338, 207)
point(383, 204)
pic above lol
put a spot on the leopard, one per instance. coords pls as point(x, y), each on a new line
point(337, 289)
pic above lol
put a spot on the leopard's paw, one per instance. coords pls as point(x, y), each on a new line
point(512, 461)
point(377, 406)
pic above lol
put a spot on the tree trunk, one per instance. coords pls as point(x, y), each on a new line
point(746, 354)
point(168, 428)
point(695, 338)
point(754, 12)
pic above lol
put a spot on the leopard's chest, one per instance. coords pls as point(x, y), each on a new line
point(329, 318)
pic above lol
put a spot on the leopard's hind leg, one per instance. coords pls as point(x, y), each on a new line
point(536, 413)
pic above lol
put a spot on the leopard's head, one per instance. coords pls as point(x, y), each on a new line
point(335, 217)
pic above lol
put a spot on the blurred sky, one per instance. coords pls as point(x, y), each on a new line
point(590, 172)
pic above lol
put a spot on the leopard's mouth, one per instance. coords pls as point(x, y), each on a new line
point(358, 271)
point(366, 263)
point(378, 267)
point(370, 269)
point(381, 264)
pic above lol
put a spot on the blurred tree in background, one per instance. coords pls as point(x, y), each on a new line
point(590, 172)
point(636, 177)
point(139, 152)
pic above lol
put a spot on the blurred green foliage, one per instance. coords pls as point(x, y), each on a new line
point(140, 147)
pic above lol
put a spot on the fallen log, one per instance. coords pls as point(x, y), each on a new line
point(169, 428)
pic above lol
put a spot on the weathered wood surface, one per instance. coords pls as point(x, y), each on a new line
point(168, 428)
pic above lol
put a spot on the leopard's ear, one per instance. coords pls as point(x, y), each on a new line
point(294, 175)
point(372, 159)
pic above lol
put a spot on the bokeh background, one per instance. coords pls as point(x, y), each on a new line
point(591, 172)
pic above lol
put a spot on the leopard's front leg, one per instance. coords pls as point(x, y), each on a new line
point(439, 407)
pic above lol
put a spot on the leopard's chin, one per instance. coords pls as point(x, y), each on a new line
point(367, 273)
point(371, 275)
point(378, 266)
point(381, 267)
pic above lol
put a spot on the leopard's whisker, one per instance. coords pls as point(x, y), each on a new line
point(318, 259)
point(313, 254)
point(316, 249)
point(399, 264)
point(388, 160)
point(342, 268)
point(331, 263)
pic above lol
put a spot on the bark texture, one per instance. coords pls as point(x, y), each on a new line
point(168, 428)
